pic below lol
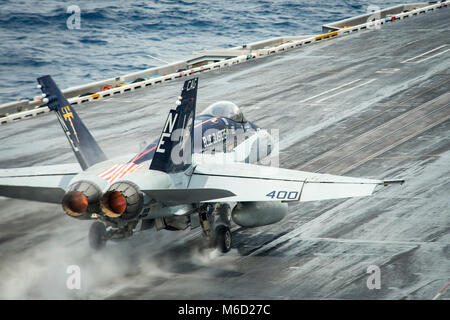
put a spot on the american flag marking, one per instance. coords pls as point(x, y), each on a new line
point(119, 171)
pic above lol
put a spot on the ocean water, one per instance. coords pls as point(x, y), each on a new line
point(119, 37)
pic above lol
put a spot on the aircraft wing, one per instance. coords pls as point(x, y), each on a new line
point(40, 183)
point(242, 182)
point(248, 182)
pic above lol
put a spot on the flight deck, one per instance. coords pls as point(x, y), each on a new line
point(373, 104)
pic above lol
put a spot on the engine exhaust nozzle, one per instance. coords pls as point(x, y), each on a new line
point(82, 200)
point(123, 199)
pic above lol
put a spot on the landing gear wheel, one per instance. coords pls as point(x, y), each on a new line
point(224, 213)
point(223, 238)
point(97, 235)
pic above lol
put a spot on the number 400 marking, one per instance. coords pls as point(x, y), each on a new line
point(282, 195)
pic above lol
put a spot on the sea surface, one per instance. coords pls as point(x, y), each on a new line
point(83, 41)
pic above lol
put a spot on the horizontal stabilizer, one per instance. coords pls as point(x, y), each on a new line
point(393, 181)
point(43, 183)
point(26, 191)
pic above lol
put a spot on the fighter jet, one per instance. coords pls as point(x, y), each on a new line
point(203, 171)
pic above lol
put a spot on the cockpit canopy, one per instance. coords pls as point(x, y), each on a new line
point(225, 109)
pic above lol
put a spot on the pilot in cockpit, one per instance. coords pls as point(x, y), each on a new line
point(225, 109)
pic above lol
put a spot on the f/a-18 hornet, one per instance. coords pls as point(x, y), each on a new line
point(177, 181)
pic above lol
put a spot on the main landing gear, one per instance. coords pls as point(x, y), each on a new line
point(223, 238)
point(215, 221)
point(99, 235)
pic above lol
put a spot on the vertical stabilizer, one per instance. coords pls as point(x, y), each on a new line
point(176, 143)
point(83, 144)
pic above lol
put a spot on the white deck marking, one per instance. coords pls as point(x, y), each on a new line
point(441, 292)
point(425, 53)
point(435, 55)
point(346, 90)
point(325, 92)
